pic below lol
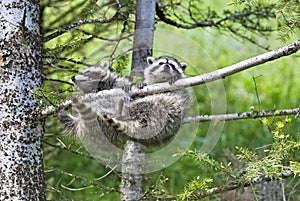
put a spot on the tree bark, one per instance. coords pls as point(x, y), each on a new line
point(143, 35)
point(21, 164)
point(133, 162)
point(133, 169)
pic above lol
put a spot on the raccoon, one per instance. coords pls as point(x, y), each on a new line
point(155, 119)
point(151, 120)
point(99, 77)
point(101, 93)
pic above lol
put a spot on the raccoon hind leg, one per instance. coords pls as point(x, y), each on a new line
point(126, 127)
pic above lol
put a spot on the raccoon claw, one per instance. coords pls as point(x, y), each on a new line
point(172, 80)
point(106, 116)
point(111, 121)
point(127, 87)
point(126, 99)
point(140, 85)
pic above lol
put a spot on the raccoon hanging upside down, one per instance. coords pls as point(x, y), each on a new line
point(151, 120)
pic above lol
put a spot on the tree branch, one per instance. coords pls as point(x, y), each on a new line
point(233, 186)
point(162, 16)
point(81, 22)
point(63, 147)
point(65, 59)
point(82, 179)
point(220, 73)
point(204, 78)
point(50, 110)
point(242, 115)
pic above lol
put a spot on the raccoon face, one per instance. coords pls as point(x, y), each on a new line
point(163, 69)
point(89, 80)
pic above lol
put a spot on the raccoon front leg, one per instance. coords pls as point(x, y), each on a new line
point(68, 121)
point(122, 108)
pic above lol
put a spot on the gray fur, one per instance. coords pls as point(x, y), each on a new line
point(97, 98)
point(97, 78)
point(101, 94)
point(155, 119)
point(111, 116)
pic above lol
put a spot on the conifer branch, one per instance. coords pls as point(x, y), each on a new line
point(79, 23)
point(163, 17)
point(232, 186)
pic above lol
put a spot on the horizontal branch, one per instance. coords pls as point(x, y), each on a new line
point(201, 79)
point(233, 186)
point(242, 115)
point(65, 59)
point(50, 110)
point(220, 73)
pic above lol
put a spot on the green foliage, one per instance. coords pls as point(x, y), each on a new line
point(287, 14)
point(206, 162)
point(273, 164)
point(158, 190)
point(295, 168)
point(68, 45)
point(70, 172)
point(195, 185)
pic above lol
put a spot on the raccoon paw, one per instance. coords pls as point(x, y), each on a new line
point(110, 120)
point(173, 79)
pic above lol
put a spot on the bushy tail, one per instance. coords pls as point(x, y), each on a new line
point(84, 111)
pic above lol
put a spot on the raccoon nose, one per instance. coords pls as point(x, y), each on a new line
point(73, 79)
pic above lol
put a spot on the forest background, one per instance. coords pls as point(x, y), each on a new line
point(71, 174)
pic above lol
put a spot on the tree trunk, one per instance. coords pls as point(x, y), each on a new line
point(133, 169)
point(143, 35)
point(133, 163)
point(21, 164)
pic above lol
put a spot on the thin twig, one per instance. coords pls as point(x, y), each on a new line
point(83, 179)
point(256, 91)
point(68, 149)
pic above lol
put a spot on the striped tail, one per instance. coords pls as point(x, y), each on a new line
point(85, 112)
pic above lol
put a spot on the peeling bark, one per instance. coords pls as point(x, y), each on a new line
point(21, 165)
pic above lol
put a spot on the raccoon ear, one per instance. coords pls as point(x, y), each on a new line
point(183, 65)
point(150, 60)
point(105, 64)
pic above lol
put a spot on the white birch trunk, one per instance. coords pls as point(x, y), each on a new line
point(21, 165)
